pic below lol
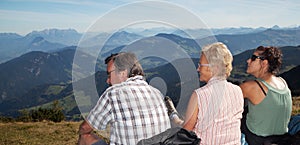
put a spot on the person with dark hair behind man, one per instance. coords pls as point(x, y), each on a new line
point(134, 109)
point(269, 98)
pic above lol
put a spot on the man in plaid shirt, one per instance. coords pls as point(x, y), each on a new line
point(134, 109)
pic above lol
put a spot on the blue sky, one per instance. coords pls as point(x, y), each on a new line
point(24, 16)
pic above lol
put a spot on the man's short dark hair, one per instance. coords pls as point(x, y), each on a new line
point(126, 61)
point(110, 57)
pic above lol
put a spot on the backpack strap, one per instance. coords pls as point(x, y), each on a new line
point(260, 87)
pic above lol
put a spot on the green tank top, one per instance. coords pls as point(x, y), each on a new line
point(272, 115)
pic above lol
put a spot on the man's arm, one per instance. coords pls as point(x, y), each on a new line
point(85, 128)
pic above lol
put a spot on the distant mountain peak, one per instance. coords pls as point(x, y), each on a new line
point(37, 40)
point(125, 34)
point(63, 36)
point(9, 35)
point(53, 31)
point(167, 35)
point(275, 27)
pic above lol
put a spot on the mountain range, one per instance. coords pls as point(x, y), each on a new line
point(292, 79)
point(238, 40)
point(38, 78)
point(67, 37)
point(270, 37)
point(40, 69)
point(13, 45)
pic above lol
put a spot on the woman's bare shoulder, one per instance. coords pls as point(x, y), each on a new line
point(248, 84)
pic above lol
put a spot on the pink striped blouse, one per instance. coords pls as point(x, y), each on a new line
point(220, 110)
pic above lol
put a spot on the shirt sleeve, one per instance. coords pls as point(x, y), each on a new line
point(101, 114)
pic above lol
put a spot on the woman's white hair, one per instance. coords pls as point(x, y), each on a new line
point(220, 59)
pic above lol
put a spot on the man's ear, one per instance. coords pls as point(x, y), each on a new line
point(124, 74)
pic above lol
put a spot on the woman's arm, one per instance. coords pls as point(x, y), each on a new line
point(245, 89)
point(191, 113)
point(253, 92)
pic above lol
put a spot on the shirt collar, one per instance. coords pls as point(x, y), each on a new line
point(138, 77)
point(214, 79)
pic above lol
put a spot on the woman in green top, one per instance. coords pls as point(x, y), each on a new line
point(269, 98)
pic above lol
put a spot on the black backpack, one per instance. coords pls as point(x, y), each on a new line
point(173, 136)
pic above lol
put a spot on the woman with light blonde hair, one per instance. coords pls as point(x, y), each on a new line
point(214, 110)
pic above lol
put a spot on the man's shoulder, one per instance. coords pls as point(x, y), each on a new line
point(141, 84)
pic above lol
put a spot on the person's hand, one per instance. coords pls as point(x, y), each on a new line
point(172, 112)
point(170, 105)
point(85, 128)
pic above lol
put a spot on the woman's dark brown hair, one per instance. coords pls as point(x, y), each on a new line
point(273, 55)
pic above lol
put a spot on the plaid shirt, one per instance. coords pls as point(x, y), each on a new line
point(134, 109)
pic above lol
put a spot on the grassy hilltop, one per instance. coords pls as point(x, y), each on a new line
point(50, 133)
point(37, 133)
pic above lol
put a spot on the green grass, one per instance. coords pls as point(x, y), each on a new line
point(41, 133)
point(63, 133)
point(67, 103)
point(55, 89)
point(296, 105)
